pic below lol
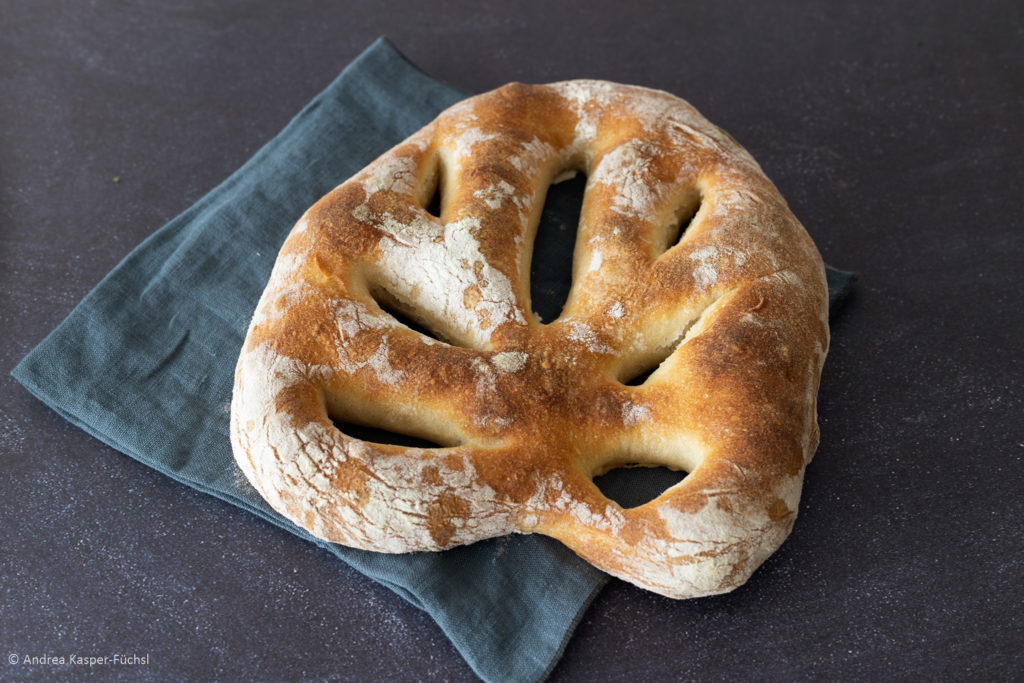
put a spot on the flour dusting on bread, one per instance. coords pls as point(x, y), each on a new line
point(688, 265)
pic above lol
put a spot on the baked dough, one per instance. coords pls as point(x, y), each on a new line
point(733, 315)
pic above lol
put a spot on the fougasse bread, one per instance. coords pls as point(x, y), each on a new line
point(687, 260)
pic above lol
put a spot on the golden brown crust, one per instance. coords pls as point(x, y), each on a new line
point(530, 413)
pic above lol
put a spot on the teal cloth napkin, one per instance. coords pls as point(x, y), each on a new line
point(145, 363)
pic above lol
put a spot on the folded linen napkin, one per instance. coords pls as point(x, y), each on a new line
point(145, 363)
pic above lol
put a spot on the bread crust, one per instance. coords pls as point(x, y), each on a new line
point(733, 314)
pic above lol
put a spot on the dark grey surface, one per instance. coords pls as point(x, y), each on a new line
point(894, 134)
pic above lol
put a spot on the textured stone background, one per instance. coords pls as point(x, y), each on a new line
point(893, 132)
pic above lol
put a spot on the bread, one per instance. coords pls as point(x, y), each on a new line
point(732, 313)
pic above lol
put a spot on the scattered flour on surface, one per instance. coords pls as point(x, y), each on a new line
point(705, 274)
point(635, 413)
point(535, 154)
point(281, 293)
point(494, 195)
point(379, 362)
point(467, 140)
point(440, 269)
point(625, 169)
point(584, 334)
point(510, 361)
point(395, 174)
